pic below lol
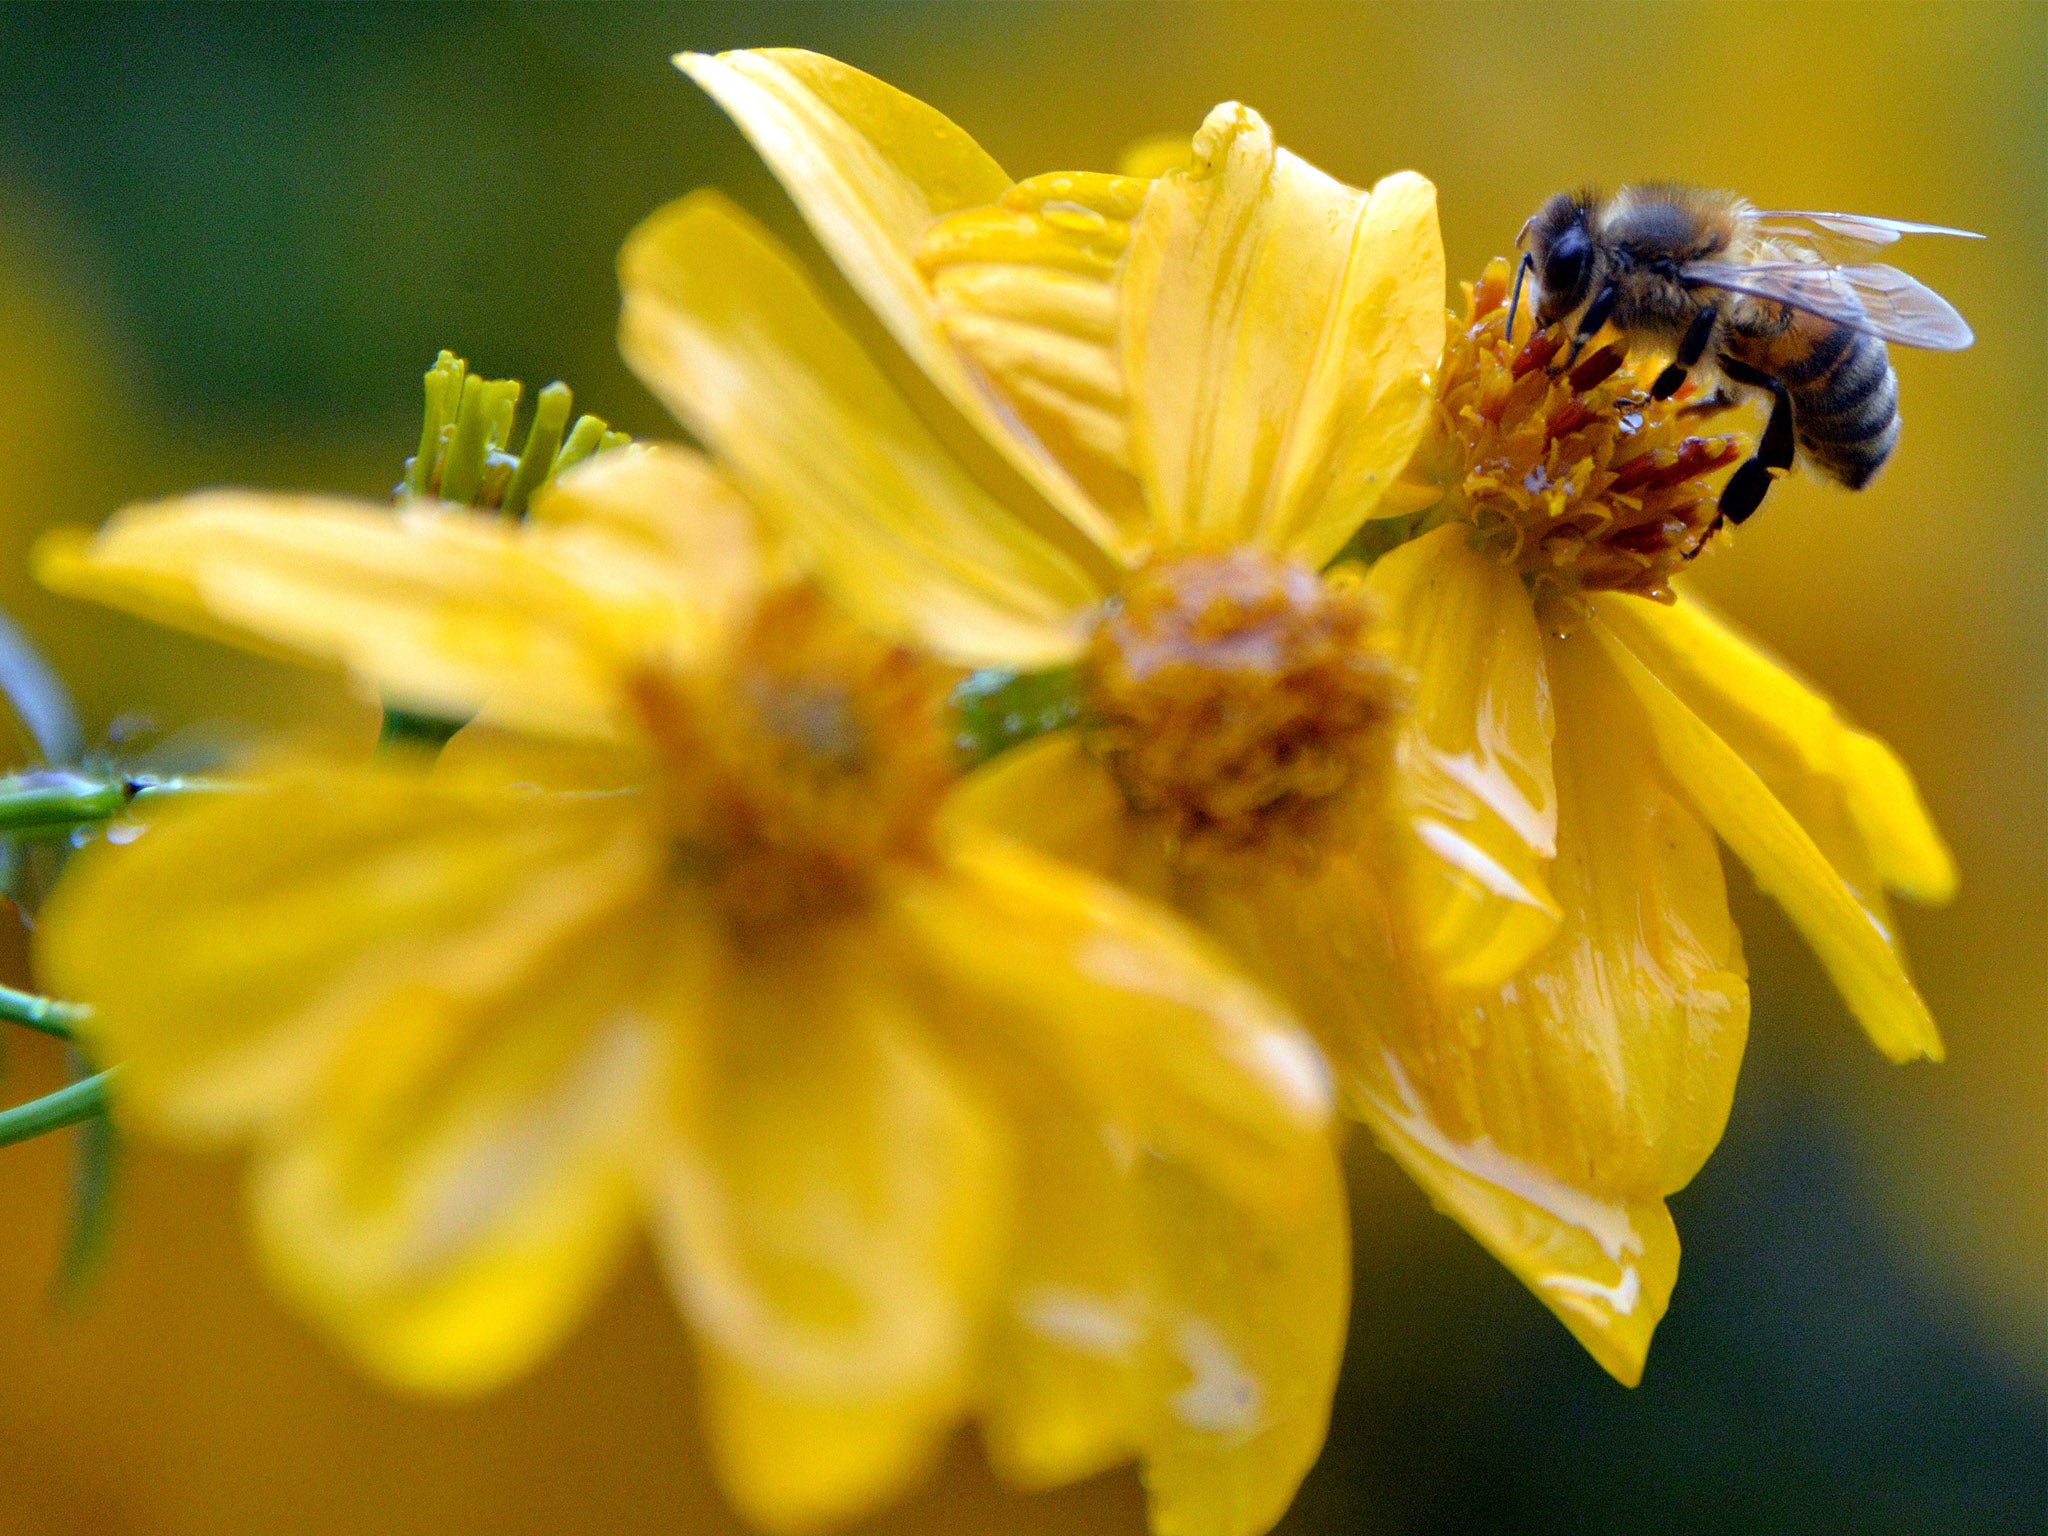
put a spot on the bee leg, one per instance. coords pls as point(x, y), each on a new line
point(1589, 325)
point(1690, 350)
point(1744, 492)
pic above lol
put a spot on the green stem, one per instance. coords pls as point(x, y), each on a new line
point(42, 1013)
point(54, 1111)
point(54, 800)
point(51, 802)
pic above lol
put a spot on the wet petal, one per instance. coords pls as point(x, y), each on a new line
point(433, 609)
point(871, 169)
point(1145, 1019)
point(1836, 779)
point(730, 333)
point(283, 917)
point(1183, 1276)
point(831, 1199)
point(1552, 1116)
point(1026, 289)
point(1852, 944)
point(1253, 1315)
point(1280, 334)
point(1474, 757)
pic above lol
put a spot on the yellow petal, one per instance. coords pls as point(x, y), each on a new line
point(1055, 796)
point(432, 609)
point(1280, 335)
point(466, 1178)
point(1474, 757)
point(1549, 1117)
point(1183, 1274)
point(281, 917)
point(673, 502)
point(1828, 773)
point(1026, 289)
point(1144, 1018)
point(871, 169)
point(830, 1202)
point(1852, 944)
point(725, 327)
point(1253, 1310)
point(1073, 1373)
point(422, 999)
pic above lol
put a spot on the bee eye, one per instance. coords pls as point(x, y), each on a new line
point(1564, 264)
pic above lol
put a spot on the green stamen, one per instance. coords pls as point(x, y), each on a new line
point(466, 435)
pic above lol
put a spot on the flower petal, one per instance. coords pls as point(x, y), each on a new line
point(1474, 757)
point(1199, 1315)
point(1280, 333)
point(467, 1179)
point(871, 169)
point(1059, 798)
point(830, 1203)
point(1828, 773)
point(284, 916)
point(1026, 289)
point(673, 502)
point(1551, 1116)
point(1148, 1023)
point(1852, 944)
point(1253, 1311)
point(433, 609)
point(725, 327)
point(431, 1003)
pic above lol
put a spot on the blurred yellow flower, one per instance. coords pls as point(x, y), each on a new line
point(1197, 390)
point(924, 1123)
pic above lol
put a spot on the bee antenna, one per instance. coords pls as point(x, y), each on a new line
point(1515, 301)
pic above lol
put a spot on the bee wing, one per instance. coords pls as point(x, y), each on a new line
point(1845, 233)
point(1877, 300)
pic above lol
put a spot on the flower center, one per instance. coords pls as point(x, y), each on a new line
point(812, 758)
point(1581, 479)
point(1239, 698)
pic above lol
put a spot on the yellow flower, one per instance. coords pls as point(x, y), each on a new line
point(1214, 379)
point(1553, 1115)
point(924, 1123)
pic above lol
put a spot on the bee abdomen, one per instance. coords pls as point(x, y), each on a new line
point(1845, 403)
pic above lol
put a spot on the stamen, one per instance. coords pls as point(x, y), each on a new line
point(465, 435)
point(815, 756)
point(1582, 481)
point(1239, 699)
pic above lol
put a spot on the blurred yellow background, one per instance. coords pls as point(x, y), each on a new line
point(230, 241)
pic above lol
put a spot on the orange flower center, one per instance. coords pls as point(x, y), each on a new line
point(792, 774)
point(1239, 698)
point(1579, 478)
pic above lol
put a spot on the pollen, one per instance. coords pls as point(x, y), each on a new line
point(801, 768)
point(1576, 475)
point(1241, 699)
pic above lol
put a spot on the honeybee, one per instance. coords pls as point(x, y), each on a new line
point(1779, 301)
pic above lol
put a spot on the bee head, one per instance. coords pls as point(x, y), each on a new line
point(1559, 242)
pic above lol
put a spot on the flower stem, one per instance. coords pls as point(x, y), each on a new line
point(46, 1014)
point(53, 1111)
point(49, 802)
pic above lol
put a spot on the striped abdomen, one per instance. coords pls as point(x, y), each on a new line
point(1845, 403)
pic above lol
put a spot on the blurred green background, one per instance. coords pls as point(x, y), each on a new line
point(232, 238)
